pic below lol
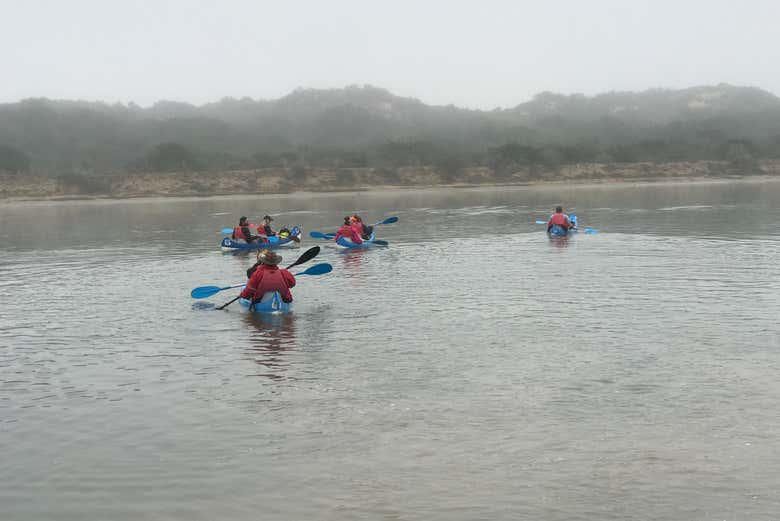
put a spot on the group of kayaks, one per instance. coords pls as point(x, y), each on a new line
point(272, 302)
point(293, 240)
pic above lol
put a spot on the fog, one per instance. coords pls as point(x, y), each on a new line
point(472, 54)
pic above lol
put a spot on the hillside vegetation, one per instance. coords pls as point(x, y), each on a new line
point(370, 128)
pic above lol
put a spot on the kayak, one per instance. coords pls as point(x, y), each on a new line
point(346, 244)
point(229, 245)
point(270, 303)
point(558, 231)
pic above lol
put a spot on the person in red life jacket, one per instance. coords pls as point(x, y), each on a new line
point(265, 227)
point(266, 276)
point(244, 232)
point(348, 232)
point(363, 230)
point(559, 219)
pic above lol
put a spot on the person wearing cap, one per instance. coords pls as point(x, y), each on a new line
point(244, 232)
point(267, 277)
point(348, 232)
point(559, 219)
point(265, 226)
point(364, 231)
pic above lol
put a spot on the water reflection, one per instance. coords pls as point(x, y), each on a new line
point(559, 241)
point(353, 259)
point(271, 337)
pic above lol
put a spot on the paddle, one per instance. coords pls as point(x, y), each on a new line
point(319, 235)
point(589, 231)
point(307, 256)
point(207, 291)
point(227, 230)
point(389, 220)
point(317, 269)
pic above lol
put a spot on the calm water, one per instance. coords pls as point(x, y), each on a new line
point(473, 370)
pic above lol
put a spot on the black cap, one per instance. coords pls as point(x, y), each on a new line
point(268, 217)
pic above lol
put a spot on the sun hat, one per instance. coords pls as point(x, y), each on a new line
point(268, 257)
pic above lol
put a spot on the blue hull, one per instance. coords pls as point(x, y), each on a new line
point(558, 231)
point(271, 303)
point(349, 245)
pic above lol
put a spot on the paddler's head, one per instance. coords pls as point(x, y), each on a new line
point(242, 221)
point(347, 220)
point(268, 257)
point(267, 219)
point(356, 219)
point(559, 209)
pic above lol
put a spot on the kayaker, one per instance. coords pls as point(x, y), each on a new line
point(360, 227)
point(348, 232)
point(244, 232)
point(266, 276)
point(559, 219)
point(265, 227)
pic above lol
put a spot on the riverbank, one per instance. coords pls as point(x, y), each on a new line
point(283, 180)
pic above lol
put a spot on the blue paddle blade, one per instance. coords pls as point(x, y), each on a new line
point(319, 235)
point(317, 269)
point(227, 230)
point(541, 222)
point(389, 220)
point(205, 291)
point(591, 231)
point(379, 242)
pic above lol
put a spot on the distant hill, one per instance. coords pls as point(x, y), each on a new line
point(368, 126)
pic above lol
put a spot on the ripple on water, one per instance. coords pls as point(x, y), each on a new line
point(474, 369)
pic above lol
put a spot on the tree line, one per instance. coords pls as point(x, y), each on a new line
point(369, 127)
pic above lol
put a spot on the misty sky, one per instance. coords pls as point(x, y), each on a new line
point(478, 54)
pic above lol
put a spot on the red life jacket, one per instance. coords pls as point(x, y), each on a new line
point(348, 232)
point(560, 220)
point(269, 279)
point(238, 234)
point(358, 227)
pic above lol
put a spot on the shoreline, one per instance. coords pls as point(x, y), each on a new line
point(378, 189)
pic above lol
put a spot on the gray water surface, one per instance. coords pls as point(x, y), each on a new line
point(472, 370)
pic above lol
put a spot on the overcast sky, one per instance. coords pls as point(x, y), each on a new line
point(478, 54)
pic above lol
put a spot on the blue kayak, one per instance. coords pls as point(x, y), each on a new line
point(346, 244)
point(229, 245)
point(558, 231)
point(270, 303)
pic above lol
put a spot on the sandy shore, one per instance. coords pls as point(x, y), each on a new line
point(274, 183)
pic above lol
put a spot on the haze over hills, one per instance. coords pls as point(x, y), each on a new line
point(364, 126)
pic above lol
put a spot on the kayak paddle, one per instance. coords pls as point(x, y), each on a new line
point(317, 269)
point(389, 220)
point(306, 257)
point(207, 291)
point(227, 230)
point(541, 222)
point(380, 242)
point(319, 235)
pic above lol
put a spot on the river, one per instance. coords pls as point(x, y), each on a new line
point(473, 369)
